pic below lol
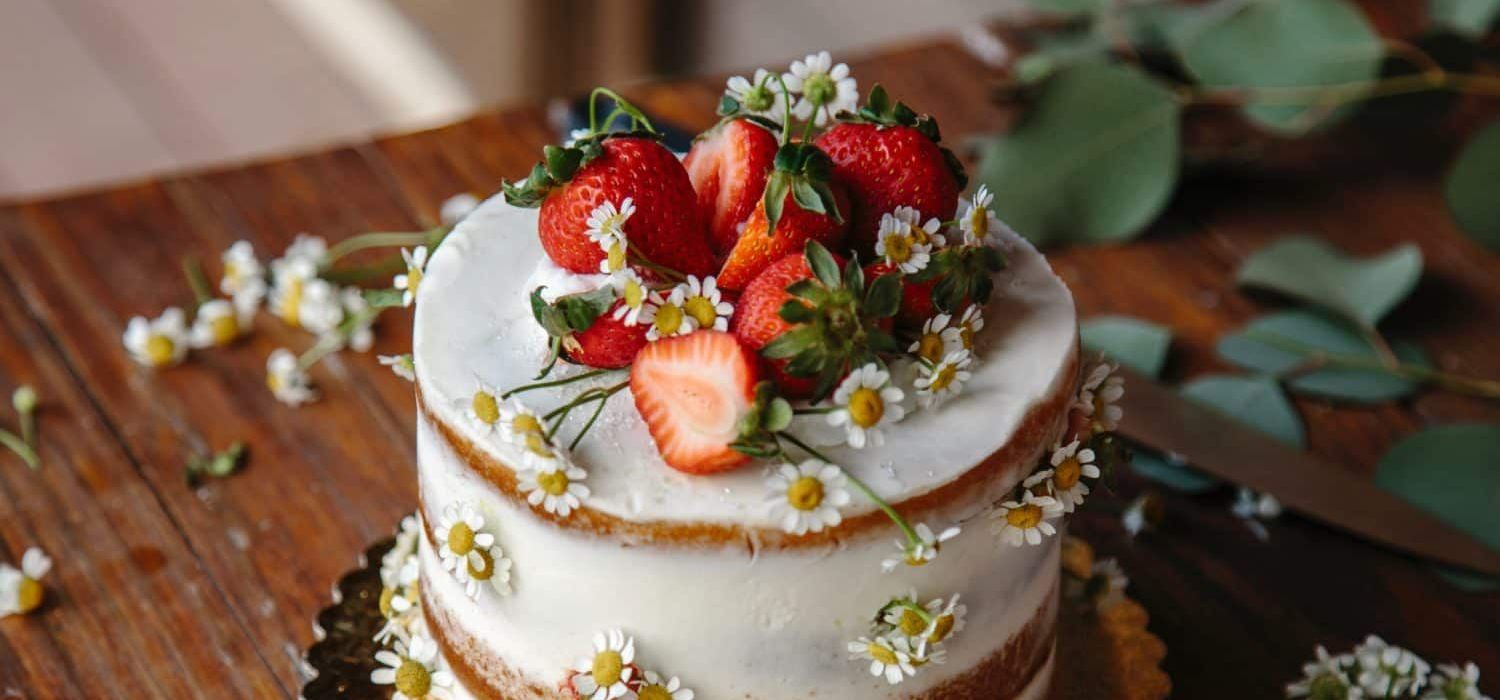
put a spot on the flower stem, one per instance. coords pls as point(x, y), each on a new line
point(379, 239)
point(17, 445)
point(555, 382)
point(663, 270)
point(1343, 93)
point(193, 271)
point(1472, 386)
point(786, 105)
point(598, 393)
point(598, 409)
point(913, 606)
point(906, 529)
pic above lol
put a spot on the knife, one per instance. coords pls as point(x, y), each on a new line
point(1159, 418)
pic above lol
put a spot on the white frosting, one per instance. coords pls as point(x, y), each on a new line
point(474, 323)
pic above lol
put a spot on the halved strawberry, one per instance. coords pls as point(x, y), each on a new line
point(759, 247)
point(607, 343)
point(728, 166)
point(693, 391)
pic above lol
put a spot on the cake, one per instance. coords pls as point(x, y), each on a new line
point(719, 512)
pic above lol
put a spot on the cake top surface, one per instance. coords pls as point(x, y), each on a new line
point(475, 330)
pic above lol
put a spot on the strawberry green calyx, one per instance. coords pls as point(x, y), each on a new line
point(560, 163)
point(567, 315)
point(881, 111)
point(805, 171)
point(769, 415)
point(964, 274)
point(837, 320)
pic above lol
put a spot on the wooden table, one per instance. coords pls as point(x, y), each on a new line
point(160, 590)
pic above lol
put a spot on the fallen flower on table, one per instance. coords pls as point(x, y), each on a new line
point(25, 401)
point(217, 465)
point(1375, 669)
point(21, 589)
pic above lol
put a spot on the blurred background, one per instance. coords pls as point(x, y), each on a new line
point(100, 91)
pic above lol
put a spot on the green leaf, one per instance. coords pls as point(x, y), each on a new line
point(1470, 18)
point(1449, 471)
point(1473, 187)
point(775, 199)
point(1362, 290)
point(1279, 342)
point(806, 196)
point(1066, 7)
point(1095, 160)
point(1139, 345)
point(809, 290)
point(793, 311)
point(778, 415)
point(580, 310)
point(791, 343)
point(383, 298)
point(1257, 401)
point(549, 318)
point(884, 298)
point(1173, 473)
point(1284, 44)
point(821, 262)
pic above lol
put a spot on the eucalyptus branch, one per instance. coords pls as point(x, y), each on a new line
point(1316, 359)
point(193, 271)
point(906, 529)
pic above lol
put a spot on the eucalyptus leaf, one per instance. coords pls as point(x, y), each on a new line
point(1280, 45)
point(1095, 159)
point(1470, 18)
point(1139, 345)
point(1362, 290)
point(1279, 342)
point(1450, 472)
point(1066, 7)
point(1473, 187)
point(1256, 401)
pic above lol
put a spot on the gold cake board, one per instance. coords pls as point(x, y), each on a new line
point(1101, 655)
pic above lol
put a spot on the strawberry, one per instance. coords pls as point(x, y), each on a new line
point(889, 157)
point(916, 297)
point(759, 247)
point(693, 391)
point(571, 182)
point(608, 343)
point(728, 166)
point(757, 321)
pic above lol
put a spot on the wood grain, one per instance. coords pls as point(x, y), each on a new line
point(162, 591)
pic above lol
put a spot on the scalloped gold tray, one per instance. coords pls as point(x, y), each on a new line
point(1102, 655)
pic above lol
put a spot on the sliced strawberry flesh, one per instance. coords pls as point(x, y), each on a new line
point(692, 391)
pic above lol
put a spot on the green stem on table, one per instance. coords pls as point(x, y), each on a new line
point(379, 239)
point(197, 281)
point(17, 445)
point(1343, 93)
point(1316, 359)
point(335, 341)
point(555, 382)
point(906, 529)
point(24, 400)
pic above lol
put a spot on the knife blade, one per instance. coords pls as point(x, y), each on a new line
point(1159, 418)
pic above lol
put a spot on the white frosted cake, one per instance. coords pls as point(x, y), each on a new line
point(692, 505)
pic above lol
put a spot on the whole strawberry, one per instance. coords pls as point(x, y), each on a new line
point(728, 166)
point(889, 157)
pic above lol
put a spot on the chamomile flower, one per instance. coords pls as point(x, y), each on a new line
point(416, 266)
point(703, 301)
point(902, 242)
point(1384, 671)
point(1071, 463)
point(398, 603)
point(759, 95)
point(361, 332)
point(555, 488)
point(658, 688)
point(305, 248)
point(1107, 582)
point(305, 301)
point(461, 539)
point(401, 365)
point(890, 658)
point(523, 427)
point(932, 344)
point(484, 409)
point(1098, 396)
point(608, 220)
point(634, 295)
point(406, 545)
point(962, 333)
point(217, 323)
point(457, 208)
point(1325, 677)
point(1454, 682)
point(977, 219)
point(159, 342)
point(21, 589)
point(920, 553)
point(942, 381)
point(1026, 521)
point(947, 620)
point(415, 669)
point(865, 403)
point(666, 315)
point(616, 254)
point(487, 566)
point(825, 89)
point(607, 673)
point(806, 497)
point(244, 277)
point(287, 379)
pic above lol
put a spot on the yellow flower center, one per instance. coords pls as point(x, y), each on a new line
point(966, 336)
point(634, 294)
point(897, 248)
point(485, 407)
point(930, 347)
point(608, 667)
point(979, 221)
point(882, 654)
point(653, 692)
point(668, 319)
point(911, 623)
point(866, 407)
point(291, 303)
point(159, 349)
point(702, 310)
point(413, 278)
point(486, 570)
point(461, 539)
point(29, 594)
point(526, 423)
point(943, 378)
point(614, 256)
point(941, 628)
point(554, 483)
point(537, 444)
point(233, 273)
point(413, 590)
point(386, 596)
point(1025, 516)
point(1067, 473)
point(413, 680)
point(805, 493)
point(917, 234)
point(275, 382)
point(224, 329)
